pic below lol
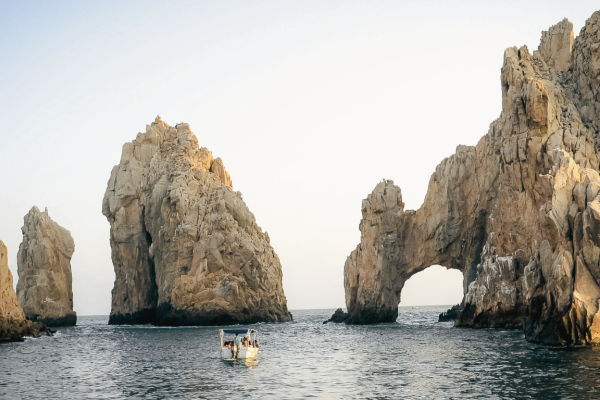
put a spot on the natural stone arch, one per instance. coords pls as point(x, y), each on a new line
point(519, 213)
point(448, 230)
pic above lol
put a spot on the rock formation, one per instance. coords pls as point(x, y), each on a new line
point(518, 214)
point(338, 316)
point(44, 261)
point(13, 324)
point(449, 315)
point(186, 249)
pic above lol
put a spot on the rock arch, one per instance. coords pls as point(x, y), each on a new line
point(448, 230)
point(518, 214)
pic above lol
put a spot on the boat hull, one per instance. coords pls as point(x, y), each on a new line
point(245, 352)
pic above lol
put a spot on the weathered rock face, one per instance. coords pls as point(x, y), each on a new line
point(13, 324)
point(186, 249)
point(44, 261)
point(518, 214)
point(556, 45)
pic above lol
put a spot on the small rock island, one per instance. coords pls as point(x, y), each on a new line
point(185, 248)
point(45, 287)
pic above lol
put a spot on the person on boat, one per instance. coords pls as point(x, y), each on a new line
point(238, 344)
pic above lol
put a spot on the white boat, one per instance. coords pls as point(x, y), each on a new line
point(250, 351)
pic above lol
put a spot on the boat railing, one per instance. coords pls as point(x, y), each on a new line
point(252, 335)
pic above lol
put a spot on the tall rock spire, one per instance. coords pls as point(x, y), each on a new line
point(44, 261)
point(185, 248)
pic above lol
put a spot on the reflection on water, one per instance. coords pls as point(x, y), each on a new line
point(249, 363)
point(413, 358)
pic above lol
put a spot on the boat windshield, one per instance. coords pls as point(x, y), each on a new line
point(234, 331)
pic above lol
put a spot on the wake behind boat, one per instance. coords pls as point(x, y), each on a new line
point(244, 343)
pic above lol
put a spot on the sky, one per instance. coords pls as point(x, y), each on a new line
point(309, 103)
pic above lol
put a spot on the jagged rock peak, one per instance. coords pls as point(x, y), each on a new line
point(185, 247)
point(518, 214)
point(45, 287)
point(13, 324)
point(556, 45)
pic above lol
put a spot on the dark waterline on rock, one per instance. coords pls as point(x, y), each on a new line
point(416, 357)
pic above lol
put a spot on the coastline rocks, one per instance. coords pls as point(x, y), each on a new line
point(518, 214)
point(338, 316)
point(13, 324)
point(45, 282)
point(449, 315)
point(185, 248)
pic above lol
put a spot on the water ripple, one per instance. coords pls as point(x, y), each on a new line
point(415, 358)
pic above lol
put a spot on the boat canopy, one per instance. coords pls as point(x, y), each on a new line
point(238, 331)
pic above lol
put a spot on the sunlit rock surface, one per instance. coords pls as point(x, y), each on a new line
point(185, 248)
point(13, 324)
point(518, 214)
point(45, 287)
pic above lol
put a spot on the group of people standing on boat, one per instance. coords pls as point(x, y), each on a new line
point(239, 342)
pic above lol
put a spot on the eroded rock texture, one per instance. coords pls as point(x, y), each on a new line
point(186, 249)
point(45, 287)
point(13, 324)
point(518, 214)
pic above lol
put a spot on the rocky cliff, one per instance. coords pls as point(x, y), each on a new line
point(44, 261)
point(13, 324)
point(185, 248)
point(518, 214)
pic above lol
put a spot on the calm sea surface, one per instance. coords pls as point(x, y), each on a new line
point(414, 358)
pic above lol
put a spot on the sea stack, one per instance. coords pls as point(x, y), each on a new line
point(13, 324)
point(44, 265)
point(518, 214)
point(185, 248)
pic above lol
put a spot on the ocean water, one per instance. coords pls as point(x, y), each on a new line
point(414, 358)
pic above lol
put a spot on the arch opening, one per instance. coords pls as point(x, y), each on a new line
point(434, 286)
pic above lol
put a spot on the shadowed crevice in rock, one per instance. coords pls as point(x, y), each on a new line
point(66, 320)
point(166, 315)
point(145, 316)
point(518, 214)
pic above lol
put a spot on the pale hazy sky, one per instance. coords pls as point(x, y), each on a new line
point(308, 103)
